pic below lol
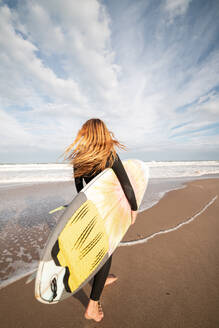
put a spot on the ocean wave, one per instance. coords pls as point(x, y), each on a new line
point(34, 173)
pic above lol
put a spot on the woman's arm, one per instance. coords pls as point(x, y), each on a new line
point(134, 215)
point(123, 178)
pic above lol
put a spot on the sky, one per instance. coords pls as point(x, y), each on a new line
point(149, 69)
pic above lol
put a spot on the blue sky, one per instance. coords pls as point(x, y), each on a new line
point(149, 69)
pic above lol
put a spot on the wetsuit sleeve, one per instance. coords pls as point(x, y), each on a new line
point(78, 183)
point(123, 178)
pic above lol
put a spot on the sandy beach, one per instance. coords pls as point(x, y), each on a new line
point(168, 280)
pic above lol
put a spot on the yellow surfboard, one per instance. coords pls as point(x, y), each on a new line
point(88, 233)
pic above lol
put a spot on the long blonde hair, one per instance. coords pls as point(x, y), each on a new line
point(92, 149)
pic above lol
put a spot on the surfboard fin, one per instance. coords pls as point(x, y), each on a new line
point(58, 209)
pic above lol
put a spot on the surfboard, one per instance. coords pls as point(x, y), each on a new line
point(87, 233)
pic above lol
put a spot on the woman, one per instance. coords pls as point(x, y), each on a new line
point(92, 151)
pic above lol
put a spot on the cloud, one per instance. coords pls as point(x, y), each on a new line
point(150, 71)
point(20, 61)
point(60, 66)
point(167, 74)
point(79, 33)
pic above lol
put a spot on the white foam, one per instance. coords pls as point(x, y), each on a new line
point(183, 169)
point(183, 163)
point(33, 167)
point(22, 270)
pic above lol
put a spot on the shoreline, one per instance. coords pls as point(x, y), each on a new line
point(178, 226)
point(170, 281)
point(138, 237)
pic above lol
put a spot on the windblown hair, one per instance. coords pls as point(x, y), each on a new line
point(92, 149)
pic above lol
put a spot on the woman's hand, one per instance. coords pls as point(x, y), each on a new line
point(134, 215)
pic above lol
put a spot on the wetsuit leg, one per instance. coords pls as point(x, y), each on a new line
point(99, 280)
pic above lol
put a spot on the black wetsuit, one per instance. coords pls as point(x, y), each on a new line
point(118, 168)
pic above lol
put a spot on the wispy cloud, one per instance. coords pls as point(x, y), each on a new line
point(176, 8)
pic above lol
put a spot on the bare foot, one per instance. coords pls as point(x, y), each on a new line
point(110, 279)
point(94, 311)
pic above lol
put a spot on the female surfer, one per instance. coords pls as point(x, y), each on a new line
point(92, 151)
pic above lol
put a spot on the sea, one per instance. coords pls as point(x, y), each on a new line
point(29, 191)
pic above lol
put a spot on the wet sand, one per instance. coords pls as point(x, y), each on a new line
point(170, 280)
